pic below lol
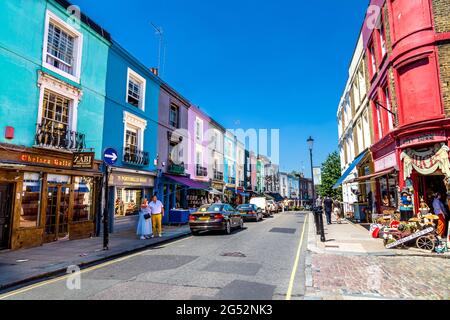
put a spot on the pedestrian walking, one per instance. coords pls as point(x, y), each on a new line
point(144, 228)
point(328, 207)
point(337, 211)
point(157, 211)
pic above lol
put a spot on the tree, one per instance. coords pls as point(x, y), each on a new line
point(331, 172)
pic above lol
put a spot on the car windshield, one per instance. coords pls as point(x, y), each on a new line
point(215, 208)
point(245, 206)
point(204, 208)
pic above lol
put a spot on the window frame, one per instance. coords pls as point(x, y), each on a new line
point(134, 122)
point(174, 107)
point(51, 17)
point(133, 74)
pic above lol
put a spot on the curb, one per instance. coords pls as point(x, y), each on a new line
point(4, 288)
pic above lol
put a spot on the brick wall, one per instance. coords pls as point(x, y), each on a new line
point(441, 11)
point(444, 64)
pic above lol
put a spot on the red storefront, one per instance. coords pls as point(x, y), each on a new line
point(411, 128)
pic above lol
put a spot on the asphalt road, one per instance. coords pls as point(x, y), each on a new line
point(262, 262)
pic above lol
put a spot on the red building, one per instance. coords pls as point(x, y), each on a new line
point(407, 45)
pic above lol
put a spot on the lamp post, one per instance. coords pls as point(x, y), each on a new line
point(318, 211)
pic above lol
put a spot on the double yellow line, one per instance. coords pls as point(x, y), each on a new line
point(297, 260)
point(99, 266)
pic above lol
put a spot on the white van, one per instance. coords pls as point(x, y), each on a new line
point(261, 202)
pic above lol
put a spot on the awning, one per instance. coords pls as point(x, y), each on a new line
point(350, 169)
point(244, 194)
point(278, 197)
point(188, 182)
point(269, 197)
point(375, 175)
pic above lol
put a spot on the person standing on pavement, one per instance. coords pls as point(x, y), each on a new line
point(328, 206)
point(337, 211)
point(157, 209)
point(441, 211)
point(144, 229)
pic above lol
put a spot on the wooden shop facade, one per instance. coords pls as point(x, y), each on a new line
point(47, 195)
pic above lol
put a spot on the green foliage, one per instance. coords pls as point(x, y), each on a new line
point(331, 172)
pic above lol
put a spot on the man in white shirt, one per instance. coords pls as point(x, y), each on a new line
point(157, 209)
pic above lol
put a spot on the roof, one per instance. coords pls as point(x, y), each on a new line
point(88, 21)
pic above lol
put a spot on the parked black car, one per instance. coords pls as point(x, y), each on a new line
point(250, 212)
point(216, 217)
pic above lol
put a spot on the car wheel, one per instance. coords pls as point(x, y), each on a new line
point(228, 228)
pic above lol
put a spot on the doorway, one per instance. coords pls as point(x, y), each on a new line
point(5, 215)
point(57, 213)
point(429, 185)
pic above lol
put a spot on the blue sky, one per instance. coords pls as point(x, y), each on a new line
point(250, 64)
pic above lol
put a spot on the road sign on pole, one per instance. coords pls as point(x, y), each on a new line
point(110, 156)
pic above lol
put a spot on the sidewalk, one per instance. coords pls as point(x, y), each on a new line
point(352, 239)
point(18, 267)
point(351, 265)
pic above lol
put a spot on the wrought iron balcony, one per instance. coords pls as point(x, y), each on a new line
point(201, 171)
point(231, 180)
point(136, 157)
point(176, 169)
point(58, 138)
point(218, 175)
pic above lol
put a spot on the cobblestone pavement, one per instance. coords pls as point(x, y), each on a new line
point(378, 277)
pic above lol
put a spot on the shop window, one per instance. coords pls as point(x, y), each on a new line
point(31, 195)
point(372, 60)
point(83, 195)
point(388, 191)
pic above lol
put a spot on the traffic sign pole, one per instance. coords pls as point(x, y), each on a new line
point(110, 157)
point(106, 211)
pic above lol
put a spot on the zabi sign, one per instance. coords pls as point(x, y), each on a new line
point(83, 160)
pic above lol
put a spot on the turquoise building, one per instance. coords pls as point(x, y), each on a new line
point(52, 102)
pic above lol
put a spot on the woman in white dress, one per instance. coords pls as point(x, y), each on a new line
point(144, 228)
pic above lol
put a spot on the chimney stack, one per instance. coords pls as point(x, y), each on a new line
point(155, 71)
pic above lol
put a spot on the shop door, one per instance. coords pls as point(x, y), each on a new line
point(5, 215)
point(57, 213)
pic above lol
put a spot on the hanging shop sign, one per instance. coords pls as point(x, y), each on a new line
point(427, 161)
point(426, 137)
point(45, 160)
point(83, 160)
point(387, 162)
point(125, 180)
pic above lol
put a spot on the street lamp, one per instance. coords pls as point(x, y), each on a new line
point(310, 142)
point(318, 217)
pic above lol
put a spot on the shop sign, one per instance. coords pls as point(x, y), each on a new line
point(387, 162)
point(83, 160)
point(421, 138)
point(125, 180)
point(427, 161)
point(45, 160)
point(217, 186)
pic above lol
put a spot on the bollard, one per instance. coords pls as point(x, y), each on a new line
point(321, 227)
point(316, 220)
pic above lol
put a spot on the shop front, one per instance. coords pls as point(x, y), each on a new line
point(47, 196)
point(128, 189)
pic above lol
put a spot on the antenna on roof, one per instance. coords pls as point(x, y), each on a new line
point(161, 48)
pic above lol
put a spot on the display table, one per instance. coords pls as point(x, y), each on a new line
point(179, 216)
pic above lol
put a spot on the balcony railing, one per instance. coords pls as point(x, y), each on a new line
point(176, 169)
point(218, 175)
point(52, 137)
point(202, 171)
point(231, 180)
point(136, 157)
